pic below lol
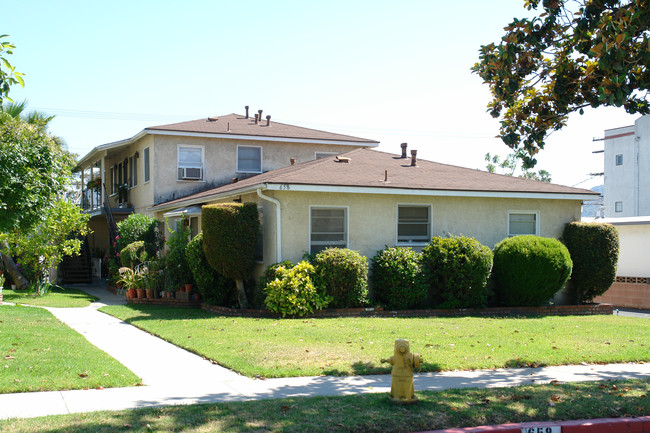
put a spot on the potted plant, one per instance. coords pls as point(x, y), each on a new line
point(129, 281)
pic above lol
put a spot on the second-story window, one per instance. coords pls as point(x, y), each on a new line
point(190, 162)
point(147, 168)
point(133, 172)
point(619, 159)
point(249, 159)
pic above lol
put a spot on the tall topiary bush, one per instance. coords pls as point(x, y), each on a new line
point(230, 232)
point(292, 292)
point(594, 249)
point(397, 278)
point(457, 269)
point(214, 288)
point(529, 270)
point(342, 274)
point(138, 227)
point(133, 254)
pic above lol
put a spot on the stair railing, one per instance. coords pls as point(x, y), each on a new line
point(112, 227)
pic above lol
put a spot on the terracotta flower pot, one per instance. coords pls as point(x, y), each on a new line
point(150, 294)
point(131, 293)
point(142, 293)
point(188, 288)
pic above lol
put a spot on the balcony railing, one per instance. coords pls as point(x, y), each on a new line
point(91, 199)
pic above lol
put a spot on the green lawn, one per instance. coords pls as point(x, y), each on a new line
point(343, 346)
point(58, 297)
point(366, 413)
point(39, 353)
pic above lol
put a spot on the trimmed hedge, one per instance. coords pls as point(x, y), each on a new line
point(594, 249)
point(457, 269)
point(214, 288)
point(138, 227)
point(177, 269)
point(529, 270)
point(293, 293)
point(131, 255)
point(230, 232)
point(398, 282)
point(342, 274)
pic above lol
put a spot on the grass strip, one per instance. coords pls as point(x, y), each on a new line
point(367, 413)
point(344, 346)
point(39, 353)
point(57, 297)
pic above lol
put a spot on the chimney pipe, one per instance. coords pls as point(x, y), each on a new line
point(246, 107)
point(403, 149)
point(260, 111)
point(292, 160)
point(268, 119)
point(256, 118)
point(414, 154)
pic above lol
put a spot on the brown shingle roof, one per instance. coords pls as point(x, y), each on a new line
point(235, 124)
point(367, 168)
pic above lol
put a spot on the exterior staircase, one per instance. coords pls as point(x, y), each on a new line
point(78, 269)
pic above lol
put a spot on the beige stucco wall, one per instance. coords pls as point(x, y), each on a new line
point(220, 161)
point(372, 219)
point(141, 195)
point(634, 247)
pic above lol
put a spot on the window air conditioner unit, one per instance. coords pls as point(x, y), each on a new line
point(192, 173)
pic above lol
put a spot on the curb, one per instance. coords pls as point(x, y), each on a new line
point(602, 425)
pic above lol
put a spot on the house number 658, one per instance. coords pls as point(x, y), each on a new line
point(285, 186)
point(554, 429)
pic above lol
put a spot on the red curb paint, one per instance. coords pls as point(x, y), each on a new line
point(603, 425)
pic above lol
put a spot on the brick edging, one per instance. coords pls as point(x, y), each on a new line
point(600, 425)
point(551, 310)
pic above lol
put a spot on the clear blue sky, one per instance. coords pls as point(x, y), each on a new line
point(391, 71)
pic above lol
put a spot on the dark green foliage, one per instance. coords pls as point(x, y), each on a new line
point(230, 232)
point(292, 291)
point(214, 288)
point(139, 227)
point(342, 274)
point(132, 254)
point(177, 269)
point(397, 279)
point(456, 269)
point(594, 250)
point(529, 270)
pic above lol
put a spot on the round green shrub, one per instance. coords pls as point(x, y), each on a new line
point(594, 249)
point(342, 274)
point(397, 278)
point(293, 293)
point(457, 269)
point(139, 227)
point(132, 254)
point(214, 288)
point(529, 270)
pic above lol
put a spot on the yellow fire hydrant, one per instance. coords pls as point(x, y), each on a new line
point(403, 362)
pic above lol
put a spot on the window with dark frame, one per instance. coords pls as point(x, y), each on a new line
point(328, 228)
point(413, 224)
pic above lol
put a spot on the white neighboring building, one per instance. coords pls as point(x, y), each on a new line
point(627, 170)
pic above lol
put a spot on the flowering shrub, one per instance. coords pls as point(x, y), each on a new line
point(293, 293)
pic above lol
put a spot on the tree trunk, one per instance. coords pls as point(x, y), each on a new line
point(241, 294)
point(18, 278)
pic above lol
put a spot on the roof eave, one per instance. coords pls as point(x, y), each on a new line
point(108, 146)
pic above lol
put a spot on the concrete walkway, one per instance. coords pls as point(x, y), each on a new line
point(152, 359)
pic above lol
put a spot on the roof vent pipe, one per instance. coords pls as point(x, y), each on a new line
point(268, 120)
point(260, 111)
point(246, 107)
point(292, 160)
point(414, 154)
point(256, 118)
point(403, 149)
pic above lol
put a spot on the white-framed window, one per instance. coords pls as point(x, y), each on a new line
point(320, 155)
point(147, 167)
point(328, 227)
point(133, 172)
point(619, 159)
point(618, 206)
point(523, 223)
point(413, 223)
point(190, 162)
point(249, 159)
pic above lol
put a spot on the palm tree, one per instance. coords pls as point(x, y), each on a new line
point(16, 110)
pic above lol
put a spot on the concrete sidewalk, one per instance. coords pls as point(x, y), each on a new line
point(202, 382)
